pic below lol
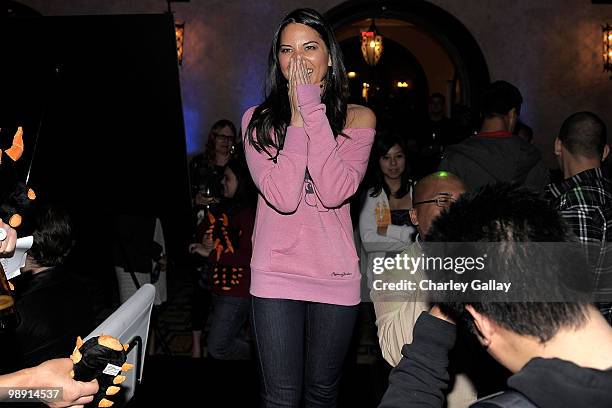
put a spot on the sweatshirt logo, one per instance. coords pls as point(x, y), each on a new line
point(340, 274)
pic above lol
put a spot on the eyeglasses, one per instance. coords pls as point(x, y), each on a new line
point(443, 200)
point(219, 135)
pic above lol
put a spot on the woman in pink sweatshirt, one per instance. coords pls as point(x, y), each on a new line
point(307, 151)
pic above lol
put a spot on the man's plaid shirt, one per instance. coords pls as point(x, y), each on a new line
point(585, 202)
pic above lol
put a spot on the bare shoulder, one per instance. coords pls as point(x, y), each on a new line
point(358, 116)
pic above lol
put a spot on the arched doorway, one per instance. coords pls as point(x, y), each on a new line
point(431, 52)
point(378, 87)
point(472, 73)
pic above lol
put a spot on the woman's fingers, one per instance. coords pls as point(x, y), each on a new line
point(298, 70)
point(307, 76)
point(292, 70)
point(302, 72)
point(293, 82)
point(296, 73)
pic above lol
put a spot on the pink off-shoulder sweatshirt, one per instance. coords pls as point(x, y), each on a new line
point(303, 247)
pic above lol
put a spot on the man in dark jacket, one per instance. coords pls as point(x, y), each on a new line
point(495, 154)
point(556, 343)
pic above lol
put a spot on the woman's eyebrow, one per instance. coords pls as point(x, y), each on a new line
point(313, 41)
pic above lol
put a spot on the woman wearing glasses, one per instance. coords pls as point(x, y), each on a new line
point(384, 222)
point(206, 169)
point(307, 151)
point(206, 172)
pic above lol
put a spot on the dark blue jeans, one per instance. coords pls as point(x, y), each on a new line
point(228, 318)
point(301, 348)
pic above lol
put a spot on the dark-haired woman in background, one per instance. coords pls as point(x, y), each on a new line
point(206, 171)
point(384, 222)
point(227, 244)
point(307, 150)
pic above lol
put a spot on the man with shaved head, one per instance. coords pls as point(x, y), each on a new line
point(432, 195)
point(396, 313)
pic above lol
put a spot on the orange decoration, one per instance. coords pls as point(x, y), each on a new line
point(119, 379)
point(16, 150)
point(31, 194)
point(219, 249)
point(15, 220)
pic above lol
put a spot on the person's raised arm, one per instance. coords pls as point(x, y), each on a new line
point(281, 182)
point(336, 168)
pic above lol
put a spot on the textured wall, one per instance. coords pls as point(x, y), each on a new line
point(551, 49)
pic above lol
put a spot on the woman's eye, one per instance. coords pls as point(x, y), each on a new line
point(285, 50)
point(310, 47)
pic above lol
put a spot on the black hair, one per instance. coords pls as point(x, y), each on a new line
point(499, 98)
point(584, 134)
point(52, 237)
point(382, 143)
point(267, 128)
point(504, 213)
point(246, 193)
point(209, 151)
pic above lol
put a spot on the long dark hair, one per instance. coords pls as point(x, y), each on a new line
point(266, 131)
point(382, 143)
point(246, 193)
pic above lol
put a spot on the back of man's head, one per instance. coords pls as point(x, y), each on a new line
point(584, 134)
point(507, 221)
point(500, 98)
point(52, 237)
